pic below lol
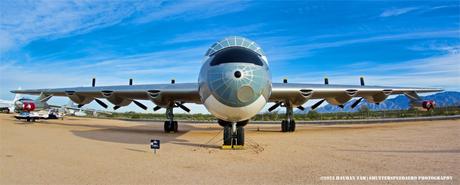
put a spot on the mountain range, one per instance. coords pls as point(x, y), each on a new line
point(401, 102)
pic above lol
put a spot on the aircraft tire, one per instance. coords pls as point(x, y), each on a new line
point(227, 135)
point(176, 126)
point(292, 126)
point(284, 126)
point(240, 135)
point(166, 127)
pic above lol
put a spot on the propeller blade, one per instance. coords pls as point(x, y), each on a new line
point(301, 108)
point(356, 103)
point(116, 107)
point(80, 105)
point(317, 104)
point(183, 107)
point(101, 103)
point(139, 104)
point(277, 104)
point(156, 108)
point(341, 106)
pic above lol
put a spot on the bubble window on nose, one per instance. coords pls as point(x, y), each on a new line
point(237, 74)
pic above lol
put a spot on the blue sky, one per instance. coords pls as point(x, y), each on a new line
point(66, 43)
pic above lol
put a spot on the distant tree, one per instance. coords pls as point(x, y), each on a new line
point(313, 115)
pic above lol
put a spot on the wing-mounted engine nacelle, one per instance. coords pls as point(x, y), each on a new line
point(116, 100)
point(301, 98)
point(424, 105)
point(342, 98)
point(78, 99)
point(379, 97)
point(156, 97)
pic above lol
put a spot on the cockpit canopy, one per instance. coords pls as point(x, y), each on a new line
point(236, 55)
point(234, 41)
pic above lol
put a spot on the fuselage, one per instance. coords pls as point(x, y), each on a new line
point(27, 105)
point(235, 81)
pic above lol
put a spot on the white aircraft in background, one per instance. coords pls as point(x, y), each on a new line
point(234, 84)
point(8, 105)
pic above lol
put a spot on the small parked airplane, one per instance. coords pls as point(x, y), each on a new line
point(234, 84)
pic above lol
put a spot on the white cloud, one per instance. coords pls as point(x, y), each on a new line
point(189, 10)
point(397, 11)
point(216, 33)
point(439, 71)
point(291, 51)
point(25, 21)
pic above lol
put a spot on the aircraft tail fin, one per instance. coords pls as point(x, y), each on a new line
point(16, 97)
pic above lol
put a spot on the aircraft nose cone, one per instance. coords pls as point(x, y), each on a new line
point(245, 93)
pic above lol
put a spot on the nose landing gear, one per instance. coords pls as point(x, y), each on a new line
point(233, 134)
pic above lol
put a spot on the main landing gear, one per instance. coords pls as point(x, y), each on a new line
point(288, 125)
point(170, 125)
point(233, 134)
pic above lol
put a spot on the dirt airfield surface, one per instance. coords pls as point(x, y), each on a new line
point(99, 151)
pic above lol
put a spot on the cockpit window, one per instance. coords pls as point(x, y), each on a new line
point(234, 41)
point(236, 55)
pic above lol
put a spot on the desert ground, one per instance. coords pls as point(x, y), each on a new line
point(100, 151)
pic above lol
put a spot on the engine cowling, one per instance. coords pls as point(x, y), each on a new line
point(428, 104)
point(28, 106)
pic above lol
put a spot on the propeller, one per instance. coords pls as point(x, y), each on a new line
point(183, 107)
point(317, 104)
point(101, 103)
point(356, 103)
point(277, 104)
point(80, 105)
point(116, 107)
point(139, 104)
point(301, 108)
point(156, 108)
point(341, 106)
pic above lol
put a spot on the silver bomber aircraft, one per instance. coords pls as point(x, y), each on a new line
point(234, 85)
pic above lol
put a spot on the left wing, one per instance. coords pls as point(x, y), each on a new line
point(163, 95)
point(297, 93)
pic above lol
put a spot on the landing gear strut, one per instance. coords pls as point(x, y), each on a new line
point(233, 133)
point(170, 125)
point(288, 125)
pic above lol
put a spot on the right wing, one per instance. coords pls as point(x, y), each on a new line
point(297, 93)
